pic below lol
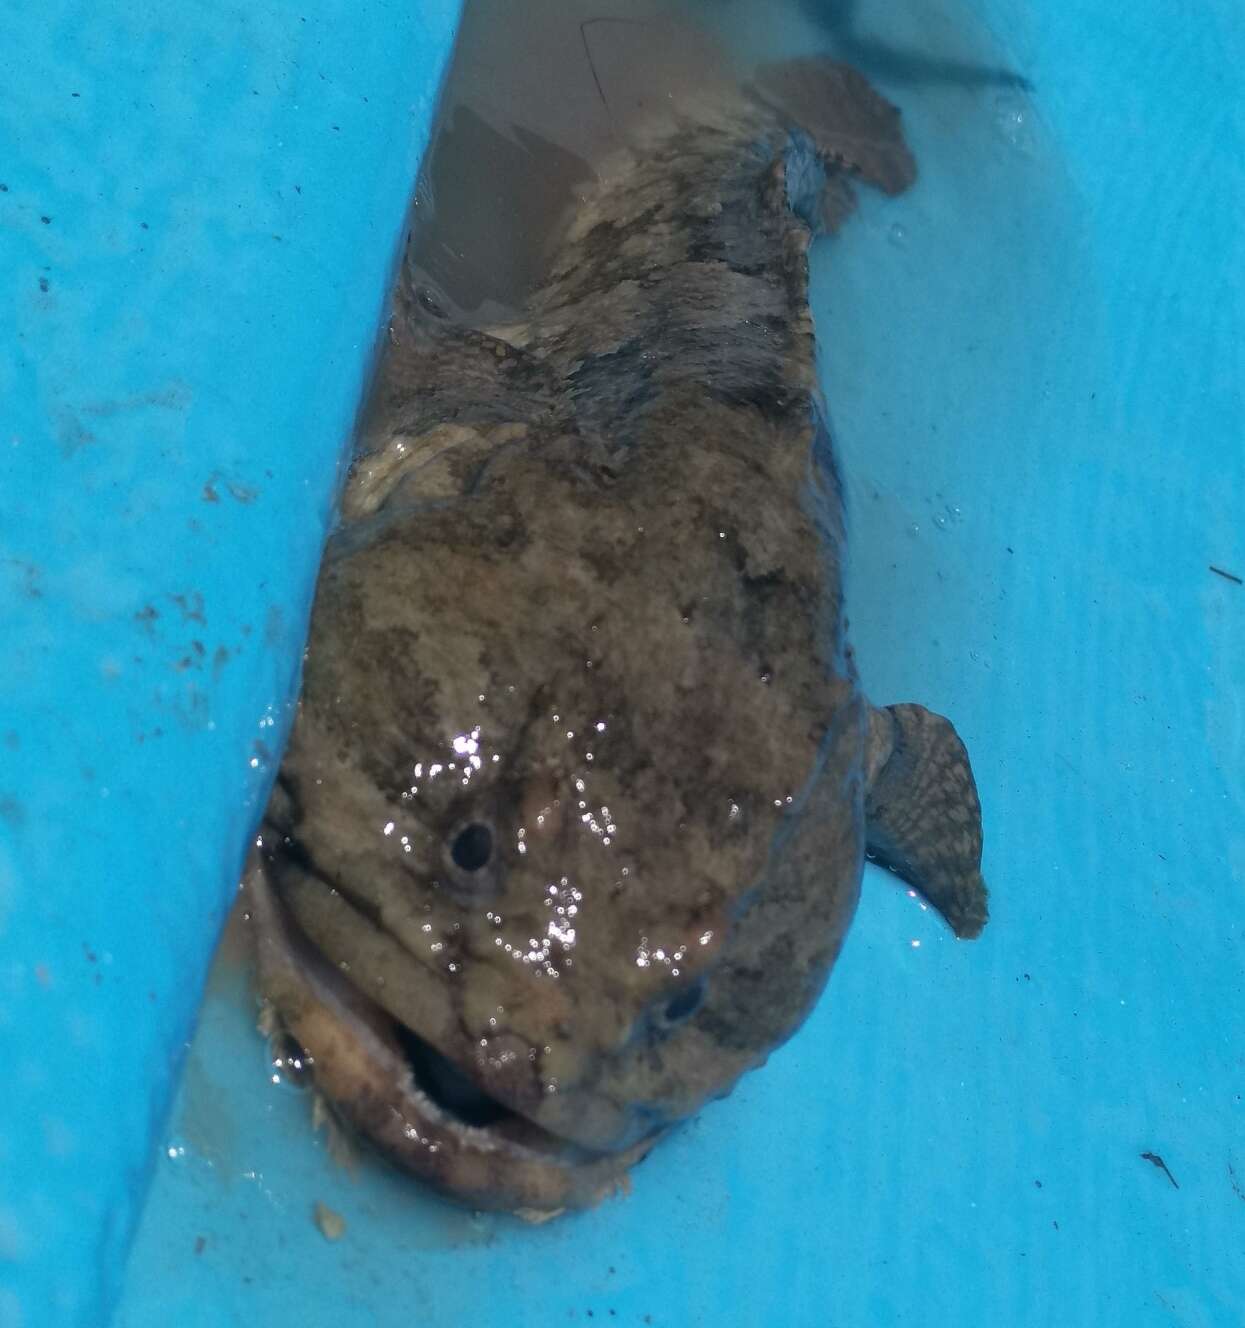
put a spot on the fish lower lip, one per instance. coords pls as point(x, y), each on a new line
point(414, 1105)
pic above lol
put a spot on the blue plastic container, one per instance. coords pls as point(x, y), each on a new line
point(1034, 363)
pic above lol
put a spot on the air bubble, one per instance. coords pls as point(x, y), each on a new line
point(1012, 121)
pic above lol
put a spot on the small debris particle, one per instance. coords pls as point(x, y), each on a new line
point(209, 494)
point(1038, 1183)
point(191, 606)
point(44, 979)
point(43, 284)
point(1227, 576)
point(1156, 1161)
point(144, 225)
point(47, 221)
point(200, 1244)
point(332, 1225)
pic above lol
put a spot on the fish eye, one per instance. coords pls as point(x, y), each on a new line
point(472, 847)
point(685, 1003)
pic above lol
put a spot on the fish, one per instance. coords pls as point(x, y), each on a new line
point(573, 817)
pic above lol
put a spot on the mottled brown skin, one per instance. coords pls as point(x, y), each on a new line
point(587, 596)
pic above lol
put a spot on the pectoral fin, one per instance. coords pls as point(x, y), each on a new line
point(922, 815)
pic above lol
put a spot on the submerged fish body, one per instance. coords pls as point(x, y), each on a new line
point(572, 820)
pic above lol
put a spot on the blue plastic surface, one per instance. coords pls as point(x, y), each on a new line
point(1035, 364)
point(199, 212)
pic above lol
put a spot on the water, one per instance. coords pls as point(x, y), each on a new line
point(1039, 423)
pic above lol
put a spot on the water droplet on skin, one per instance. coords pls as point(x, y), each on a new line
point(898, 235)
point(290, 1064)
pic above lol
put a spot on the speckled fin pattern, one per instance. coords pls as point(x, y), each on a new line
point(922, 815)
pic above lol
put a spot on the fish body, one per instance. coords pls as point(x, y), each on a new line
point(573, 817)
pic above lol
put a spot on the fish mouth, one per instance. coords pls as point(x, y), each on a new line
point(420, 1110)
